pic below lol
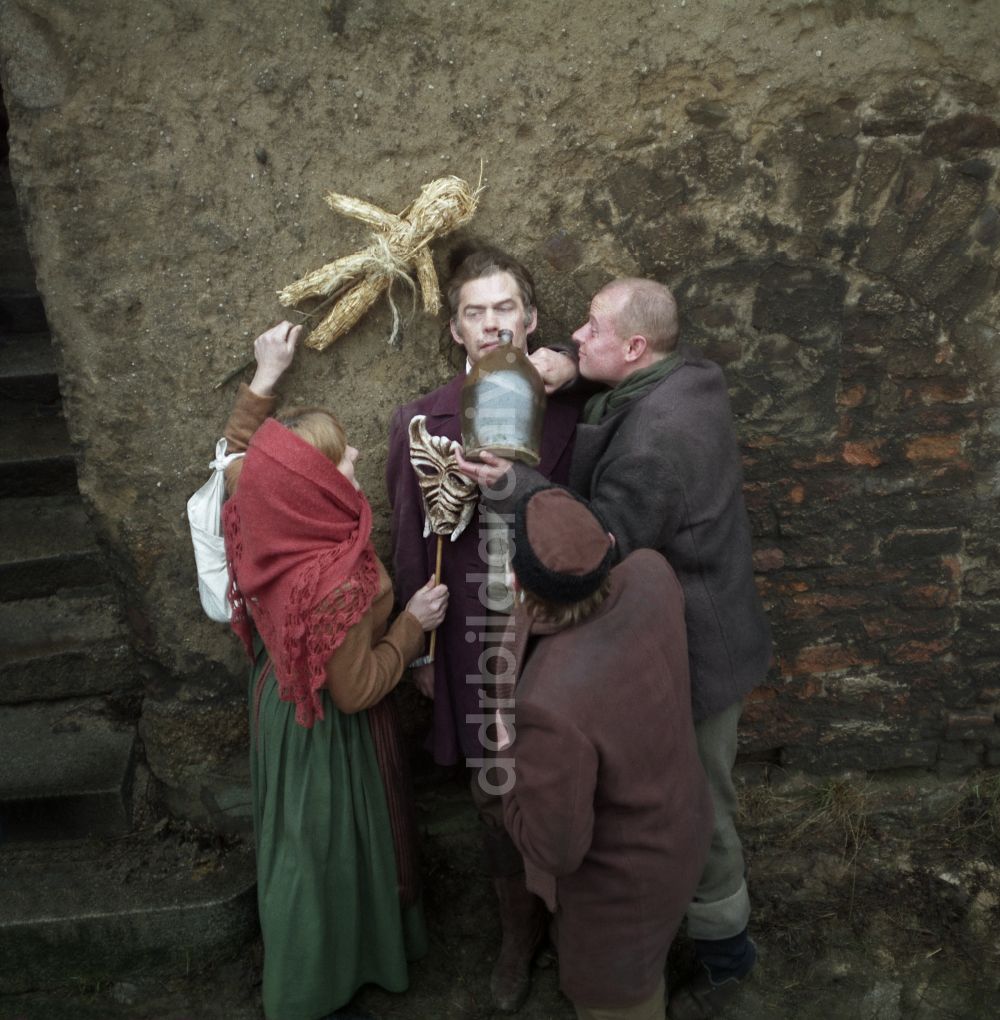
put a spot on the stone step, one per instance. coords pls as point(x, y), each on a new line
point(62, 646)
point(48, 545)
point(80, 915)
point(16, 269)
point(36, 457)
point(29, 355)
point(66, 770)
point(22, 311)
point(29, 383)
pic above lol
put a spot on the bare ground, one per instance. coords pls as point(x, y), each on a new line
point(871, 902)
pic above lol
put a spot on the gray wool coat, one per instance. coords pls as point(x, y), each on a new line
point(665, 473)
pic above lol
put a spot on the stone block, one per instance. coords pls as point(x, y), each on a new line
point(819, 659)
point(975, 725)
point(878, 169)
point(981, 169)
point(958, 136)
point(186, 737)
point(803, 302)
point(949, 209)
point(142, 907)
point(707, 112)
point(561, 250)
point(909, 545)
point(66, 770)
point(881, 627)
point(36, 457)
point(881, 753)
point(639, 193)
point(22, 312)
point(885, 242)
point(986, 229)
point(62, 646)
point(49, 544)
point(916, 652)
point(901, 110)
point(825, 171)
point(715, 162)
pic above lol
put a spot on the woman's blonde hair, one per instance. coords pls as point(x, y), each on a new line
point(319, 428)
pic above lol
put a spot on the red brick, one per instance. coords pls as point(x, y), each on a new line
point(820, 460)
point(853, 396)
point(765, 560)
point(815, 603)
point(934, 596)
point(918, 651)
point(821, 659)
point(907, 625)
point(863, 454)
point(938, 391)
point(934, 448)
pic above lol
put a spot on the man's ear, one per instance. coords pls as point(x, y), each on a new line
point(636, 347)
point(530, 320)
point(455, 335)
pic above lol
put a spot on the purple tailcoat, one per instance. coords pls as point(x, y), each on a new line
point(456, 658)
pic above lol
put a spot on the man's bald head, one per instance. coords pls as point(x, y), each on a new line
point(645, 308)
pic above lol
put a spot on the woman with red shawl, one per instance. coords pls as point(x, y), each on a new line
point(337, 882)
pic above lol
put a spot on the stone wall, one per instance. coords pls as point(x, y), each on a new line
point(817, 181)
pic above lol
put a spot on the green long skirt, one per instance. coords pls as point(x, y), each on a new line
point(326, 867)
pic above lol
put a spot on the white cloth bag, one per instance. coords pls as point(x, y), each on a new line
point(204, 510)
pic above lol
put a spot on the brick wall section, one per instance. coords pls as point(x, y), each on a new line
point(865, 389)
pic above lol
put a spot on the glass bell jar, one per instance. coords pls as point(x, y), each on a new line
point(503, 405)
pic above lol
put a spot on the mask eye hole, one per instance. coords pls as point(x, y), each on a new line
point(427, 470)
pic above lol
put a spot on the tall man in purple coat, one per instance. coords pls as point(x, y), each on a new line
point(656, 457)
point(489, 291)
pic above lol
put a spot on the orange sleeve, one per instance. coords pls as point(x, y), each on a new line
point(359, 674)
point(248, 414)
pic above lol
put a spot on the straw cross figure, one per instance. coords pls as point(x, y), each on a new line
point(399, 247)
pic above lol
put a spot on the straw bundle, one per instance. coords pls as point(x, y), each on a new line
point(399, 247)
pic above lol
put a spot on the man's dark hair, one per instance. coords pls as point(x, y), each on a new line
point(472, 262)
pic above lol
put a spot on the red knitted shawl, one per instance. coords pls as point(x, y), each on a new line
point(301, 563)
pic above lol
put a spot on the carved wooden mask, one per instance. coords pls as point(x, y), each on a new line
point(449, 496)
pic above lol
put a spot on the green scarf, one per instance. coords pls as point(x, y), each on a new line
point(607, 402)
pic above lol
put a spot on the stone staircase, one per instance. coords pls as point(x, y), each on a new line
point(94, 892)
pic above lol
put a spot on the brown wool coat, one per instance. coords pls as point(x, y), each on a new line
point(610, 807)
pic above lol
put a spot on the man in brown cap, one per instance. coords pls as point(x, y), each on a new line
point(607, 800)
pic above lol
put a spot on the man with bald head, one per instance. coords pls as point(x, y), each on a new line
point(657, 458)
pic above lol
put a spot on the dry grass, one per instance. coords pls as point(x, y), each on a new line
point(842, 809)
point(838, 810)
point(972, 824)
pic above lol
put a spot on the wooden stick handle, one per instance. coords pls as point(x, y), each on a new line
point(437, 580)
